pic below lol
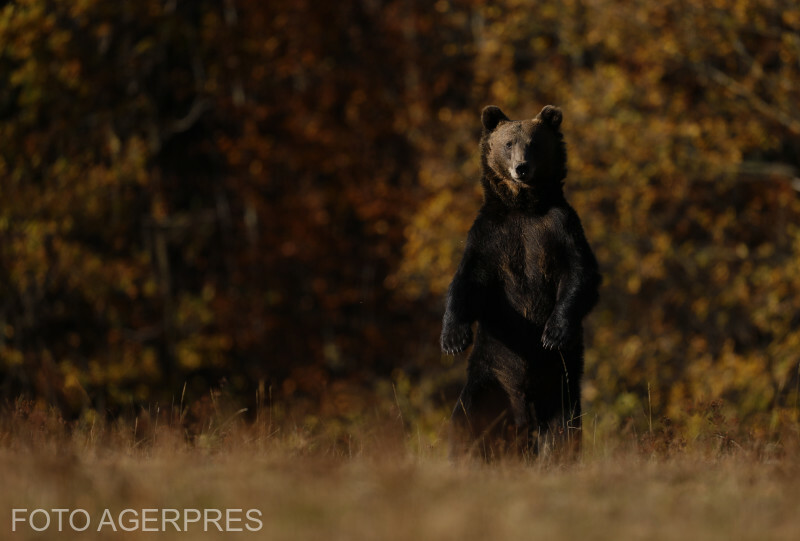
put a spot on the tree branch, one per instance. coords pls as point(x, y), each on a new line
point(738, 89)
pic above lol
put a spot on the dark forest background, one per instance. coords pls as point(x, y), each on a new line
point(268, 199)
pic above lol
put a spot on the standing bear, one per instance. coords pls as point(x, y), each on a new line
point(528, 277)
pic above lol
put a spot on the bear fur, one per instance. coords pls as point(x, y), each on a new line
point(527, 277)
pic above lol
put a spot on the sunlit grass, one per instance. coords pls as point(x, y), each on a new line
point(389, 483)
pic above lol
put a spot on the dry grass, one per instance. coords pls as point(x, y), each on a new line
point(380, 486)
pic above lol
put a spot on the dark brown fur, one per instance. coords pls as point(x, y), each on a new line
point(527, 277)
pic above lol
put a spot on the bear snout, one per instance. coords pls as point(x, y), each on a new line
point(520, 171)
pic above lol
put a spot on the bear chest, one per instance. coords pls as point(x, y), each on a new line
point(529, 258)
point(527, 280)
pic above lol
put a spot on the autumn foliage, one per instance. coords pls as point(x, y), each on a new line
point(271, 197)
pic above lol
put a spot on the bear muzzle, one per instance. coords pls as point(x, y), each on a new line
point(520, 171)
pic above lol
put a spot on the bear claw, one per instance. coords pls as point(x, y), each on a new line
point(456, 339)
point(555, 336)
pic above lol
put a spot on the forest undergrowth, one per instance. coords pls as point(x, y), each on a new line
point(384, 478)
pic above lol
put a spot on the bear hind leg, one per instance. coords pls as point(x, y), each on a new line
point(480, 421)
point(559, 434)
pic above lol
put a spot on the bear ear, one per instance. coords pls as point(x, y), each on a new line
point(491, 117)
point(552, 115)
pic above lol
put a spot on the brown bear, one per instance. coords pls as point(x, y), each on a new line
point(527, 277)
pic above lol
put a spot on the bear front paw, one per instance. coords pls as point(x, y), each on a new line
point(456, 337)
point(556, 333)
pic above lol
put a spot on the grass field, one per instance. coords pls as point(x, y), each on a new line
point(381, 488)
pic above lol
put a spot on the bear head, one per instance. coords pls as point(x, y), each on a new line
point(524, 161)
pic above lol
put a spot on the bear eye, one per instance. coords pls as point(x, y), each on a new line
point(508, 144)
